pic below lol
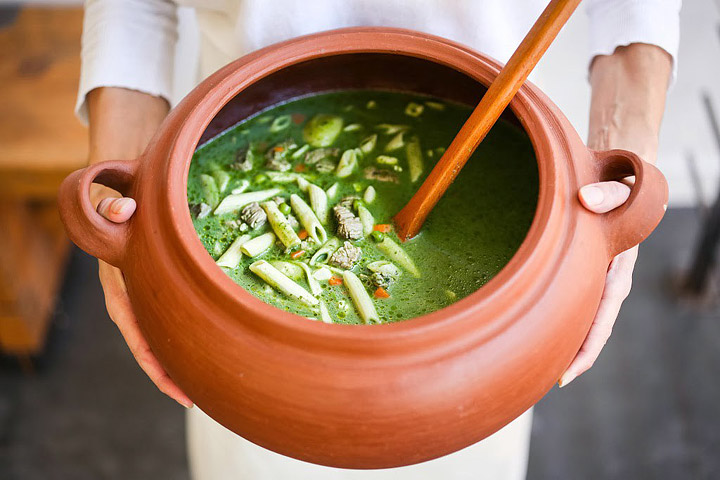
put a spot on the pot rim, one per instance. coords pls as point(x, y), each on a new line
point(232, 79)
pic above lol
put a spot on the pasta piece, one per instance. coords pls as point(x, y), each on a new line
point(280, 123)
point(414, 158)
point(273, 277)
point(367, 219)
point(389, 129)
point(323, 274)
point(303, 184)
point(280, 225)
point(284, 177)
point(322, 130)
point(244, 184)
point(323, 254)
point(318, 202)
point(368, 144)
point(209, 190)
point(315, 287)
point(332, 191)
point(291, 270)
point(397, 254)
point(324, 314)
point(369, 195)
point(235, 202)
point(300, 152)
point(256, 246)
point(435, 105)
point(222, 179)
point(308, 219)
point(347, 163)
point(414, 109)
point(231, 257)
point(353, 127)
point(360, 297)
point(396, 142)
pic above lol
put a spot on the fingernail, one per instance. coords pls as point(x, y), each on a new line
point(119, 205)
point(186, 403)
point(565, 379)
point(592, 195)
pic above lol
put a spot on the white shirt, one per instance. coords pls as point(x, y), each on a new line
point(131, 43)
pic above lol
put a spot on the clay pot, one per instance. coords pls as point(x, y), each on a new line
point(363, 396)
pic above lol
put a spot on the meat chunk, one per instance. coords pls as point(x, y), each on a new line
point(243, 160)
point(346, 256)
point(253, 215)
point(326, 165)
point(321, 154)
point(277, 157)
point(380, 174)
point(349, 226)
point(383, 274)
point(348, 201)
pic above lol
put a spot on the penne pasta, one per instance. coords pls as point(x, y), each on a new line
point(280, 225)
point(232, 256)
point(235, 202)
point(308, 219)
point(318, 202)
point(397, 254)
point(256, 246)
point(276, 279)
point(414, 158)
point(324, 252)
point(360, 297)
point(347, 163)
point(315, 287)
point(367, 219)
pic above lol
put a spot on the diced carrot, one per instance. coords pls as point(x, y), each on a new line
point(383, 227)
point(335, 281)
point(279, 148)
point(302, 234)
point(381, 293)
point(300, 167)
point(298, 118)
point(297, 254)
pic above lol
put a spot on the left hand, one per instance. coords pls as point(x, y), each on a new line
point(601, 198)
point(628, 100)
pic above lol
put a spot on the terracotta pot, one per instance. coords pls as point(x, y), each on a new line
point(363, 396)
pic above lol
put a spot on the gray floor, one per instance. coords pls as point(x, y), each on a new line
point(649, 409)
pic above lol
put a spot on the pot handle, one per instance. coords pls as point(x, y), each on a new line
point(86, 228)
point(631, 223)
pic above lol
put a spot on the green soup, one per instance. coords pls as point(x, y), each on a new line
point(365, 153)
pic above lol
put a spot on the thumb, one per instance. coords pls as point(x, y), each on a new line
point(117, 210)
point(603, 196)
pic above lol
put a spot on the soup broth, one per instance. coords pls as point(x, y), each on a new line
point(295, 204)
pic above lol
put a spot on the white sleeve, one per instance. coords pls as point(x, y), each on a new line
point(127, 43)
point(615, 23)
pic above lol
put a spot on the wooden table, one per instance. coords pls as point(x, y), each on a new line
point(40, 143)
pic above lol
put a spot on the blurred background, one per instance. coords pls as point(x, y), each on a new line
point(74, 405)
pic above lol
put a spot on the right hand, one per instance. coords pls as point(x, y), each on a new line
point(118, 210)
point(122, 122)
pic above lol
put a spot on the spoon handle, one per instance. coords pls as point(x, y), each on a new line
point(409, 220)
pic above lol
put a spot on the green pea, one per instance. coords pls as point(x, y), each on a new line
point(260, 178)
point(284, 208)
point(377, 236)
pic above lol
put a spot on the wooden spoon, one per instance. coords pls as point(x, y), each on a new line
point(409, 220)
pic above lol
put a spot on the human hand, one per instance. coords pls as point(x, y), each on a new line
point(628, 100)
point(122, 122)
point(118, 210)
point(601, 198)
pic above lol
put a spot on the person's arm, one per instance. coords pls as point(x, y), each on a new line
point(122, 122)
point(628, 100)
point(128, 47)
